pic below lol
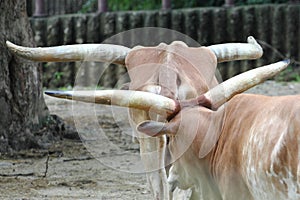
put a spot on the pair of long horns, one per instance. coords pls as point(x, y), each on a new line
point(117, 53)
point(214, 98)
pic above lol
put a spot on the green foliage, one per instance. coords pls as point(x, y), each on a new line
point(118, 5)
point(58, 75)
point(196, 3)
point(291, 73)
point(88, 6)
point(251, 2)
point(295, 77)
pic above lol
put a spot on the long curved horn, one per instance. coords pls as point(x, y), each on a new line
point(242, 82)
point(237, 51)
point(124, 98)
point(68, 53)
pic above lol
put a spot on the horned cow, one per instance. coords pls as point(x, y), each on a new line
point(220, 143)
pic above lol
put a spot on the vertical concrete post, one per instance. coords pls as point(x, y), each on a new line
point(229, 3)
point(166, 4)
point(102, 6)
point(39, 9)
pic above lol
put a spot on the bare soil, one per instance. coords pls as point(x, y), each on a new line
point(69, 171)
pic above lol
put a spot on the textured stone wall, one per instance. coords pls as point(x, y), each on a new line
point(276, 27)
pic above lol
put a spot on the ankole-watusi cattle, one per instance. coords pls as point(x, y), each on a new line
point(220, 144)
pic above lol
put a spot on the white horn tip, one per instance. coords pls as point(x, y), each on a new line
point(286, 61)
point(251, 40)
point(10, 45)
point(13, 47)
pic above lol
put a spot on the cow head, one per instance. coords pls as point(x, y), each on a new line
point(170, 70)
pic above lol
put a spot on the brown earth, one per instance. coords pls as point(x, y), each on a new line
point(70, 171)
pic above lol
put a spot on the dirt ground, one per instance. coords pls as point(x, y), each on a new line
point(71, 171)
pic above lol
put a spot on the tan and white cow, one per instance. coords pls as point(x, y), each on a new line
point(222, 144)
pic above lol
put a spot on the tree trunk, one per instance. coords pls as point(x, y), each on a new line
point(24, 117)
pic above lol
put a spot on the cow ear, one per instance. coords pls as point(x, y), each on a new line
point(155, 129)
point(213, 123)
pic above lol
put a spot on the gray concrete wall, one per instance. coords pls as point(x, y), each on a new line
point(275, 26)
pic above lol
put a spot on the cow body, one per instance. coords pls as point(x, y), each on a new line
point(218, 154)
point(256, 155)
